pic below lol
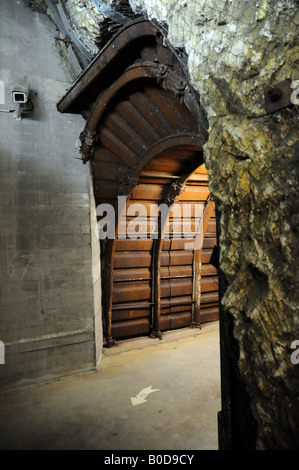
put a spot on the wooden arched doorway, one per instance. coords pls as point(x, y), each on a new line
point(144, 135)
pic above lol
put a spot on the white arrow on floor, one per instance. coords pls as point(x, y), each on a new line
point(141, 397)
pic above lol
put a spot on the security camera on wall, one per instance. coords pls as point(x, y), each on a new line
point(20, 93)
point(20, 96)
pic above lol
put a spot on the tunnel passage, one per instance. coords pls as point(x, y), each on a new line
point(144, 136)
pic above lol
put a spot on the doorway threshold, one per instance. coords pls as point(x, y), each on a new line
point(132, 344)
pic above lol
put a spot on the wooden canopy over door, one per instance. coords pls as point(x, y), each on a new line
point(144, 135)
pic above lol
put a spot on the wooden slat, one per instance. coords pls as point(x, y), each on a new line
point(125, 314)
point(163, 100)
point(136, 327)
point(209, 297)
point(125, 293)
point(102, 154)
point(167, 164)
point(178, 258)
point(206, 255)
point(176, 287)
point(116, 146)
point(151, 113)
point(105, 189)
point(195, 193)
point(133, 245)
point(120, 127)
point(179, 301)
point(181, 320)
point(208, 270)
point(209, 314)
point(132, 274)
point(198, 178)
point(112, 171)
point(137, 121)
point(211, 229)
point(147, 192)
point(209, 284)
point(209, 242)
point(176, 271)
point(132, 260)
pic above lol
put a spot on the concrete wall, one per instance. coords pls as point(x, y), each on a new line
point(47, 313)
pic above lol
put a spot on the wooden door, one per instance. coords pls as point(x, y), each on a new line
point(144, 136)
point(133, 299)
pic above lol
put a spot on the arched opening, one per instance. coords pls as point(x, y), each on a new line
point(161, 276)
point(144, 135)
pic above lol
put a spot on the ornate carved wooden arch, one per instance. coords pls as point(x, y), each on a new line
point(140, 71)
point(144, 135)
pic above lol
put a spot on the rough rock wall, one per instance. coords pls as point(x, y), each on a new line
point(91, 26)
point(235, 49)
point(86, 22)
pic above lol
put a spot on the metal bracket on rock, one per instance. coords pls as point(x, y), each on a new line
point(278, 96)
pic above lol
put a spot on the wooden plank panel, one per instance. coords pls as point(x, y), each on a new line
point(157, 177)
point(180, 300)
point(147, 192)
point(165, 291)
point(211, 228)
point(125, 293)
point(134, 260)
point(176, 271)
point(181, 258)
point(130, 314)
point(105, 189)
point(198, 178)
point(172, 165)
point(151, 113)
point(181, 287)
point(181, 308)
point(209, 283)
point(110, 171)
point(131, 274)
point(181, 320)
point(208, 270)
point(137, 121)
point(195, 193)
point(176, 287)
point(206, 255)
point(103, 154)
point(116, 146)
point(149, 54)
point(209, 297)
point(118, 125)
point(131, 328)
point(166, 56)
point(164, 100)
point(209, 314)
point(133, 245)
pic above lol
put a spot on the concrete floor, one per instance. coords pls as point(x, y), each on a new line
point(94, 411)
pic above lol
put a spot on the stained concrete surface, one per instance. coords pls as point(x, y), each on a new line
point(46, 287)
point(94, 411)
